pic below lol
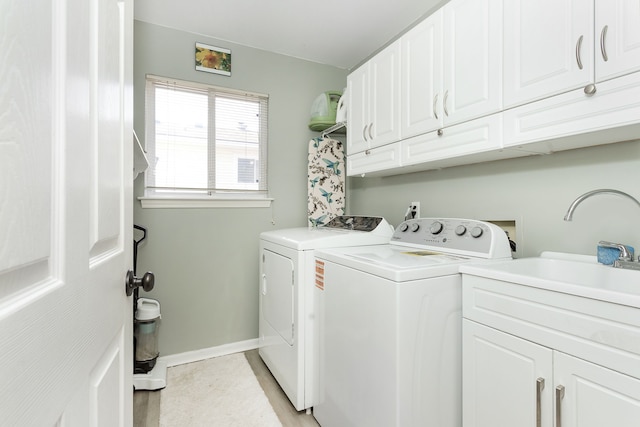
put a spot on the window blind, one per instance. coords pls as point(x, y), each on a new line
point(205, 140)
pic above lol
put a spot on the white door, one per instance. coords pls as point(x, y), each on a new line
point(472, 59)
point(594, 396)
point(65, 212)
point(507, 381)
point(358, 110)
point(546, 42)
point(421, 49)
point(618, 32)
point(384, 87)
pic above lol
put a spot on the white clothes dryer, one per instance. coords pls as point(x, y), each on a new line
point(287, 327)
point(390, 324)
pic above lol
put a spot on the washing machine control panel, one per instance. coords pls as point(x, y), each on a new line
point(453, 235)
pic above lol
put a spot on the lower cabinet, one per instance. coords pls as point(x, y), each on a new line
point(510, 381)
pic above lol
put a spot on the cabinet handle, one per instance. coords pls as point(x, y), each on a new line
point(367, 152)
point(559, 397)
point(603, 41)
point(364, 133)
point(539, 388)
point(444, 102)
point(578, 50)
point(435, 106)
point(370, 135)
point(590, 89)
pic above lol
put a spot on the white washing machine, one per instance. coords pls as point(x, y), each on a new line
point(390, 324)
point(287, 326)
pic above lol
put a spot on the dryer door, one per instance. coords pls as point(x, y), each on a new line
point(277, 289)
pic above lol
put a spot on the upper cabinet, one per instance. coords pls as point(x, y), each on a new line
point(452, 66)
point(472, 59)
point(548, 48)
point(618, 38)
point(554, 46)
point(482, 80)
point(374, 101)
point(422, 77)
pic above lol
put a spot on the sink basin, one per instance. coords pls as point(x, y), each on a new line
point(576, 275)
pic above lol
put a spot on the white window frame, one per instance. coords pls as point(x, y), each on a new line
point(203, 198)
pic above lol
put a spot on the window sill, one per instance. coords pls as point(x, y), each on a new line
point(195, 202)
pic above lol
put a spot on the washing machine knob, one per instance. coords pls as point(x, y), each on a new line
point(436, 227)
point(460, 230)
point(476, 232)
point(415, 227)
point(404, 227)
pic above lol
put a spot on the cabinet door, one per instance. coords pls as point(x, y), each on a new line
point(358, 111)
point(472, 137)
point(500, 375)
point(472, 59)
point(545, 44)
point(384, 69)
point(374, 160)
point(595, 396)
point(422, 77)
point(618, 32)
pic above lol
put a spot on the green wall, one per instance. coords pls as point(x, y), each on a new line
point(534, 191)
point(206, 260)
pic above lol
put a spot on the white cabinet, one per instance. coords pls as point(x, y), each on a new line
point(535, 357)
point(548, 48)
point(452, 66)
point(454, 143)
point(374, 101)
point(422, 69)
point(618, 38)
point(500, 379)
point(375, 161)
point(472, 59)
point(554, 46)
point(509, 381)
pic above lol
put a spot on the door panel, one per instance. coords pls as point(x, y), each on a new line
point(540, 48)
point(421, 53)
point(26, 164)
point(277, 294)
point(66, 212)
point(472, 59)
point(499, 374)
point(621, 41)
point(595, 396)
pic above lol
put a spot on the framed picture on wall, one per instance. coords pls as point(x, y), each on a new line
point(213, 59)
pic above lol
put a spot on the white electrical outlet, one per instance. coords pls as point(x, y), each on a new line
point(414, 209)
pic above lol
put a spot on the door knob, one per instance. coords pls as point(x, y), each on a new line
point(146, 281)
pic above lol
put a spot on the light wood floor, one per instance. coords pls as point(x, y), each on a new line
point(146, 404)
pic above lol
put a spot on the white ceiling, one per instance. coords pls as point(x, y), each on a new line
point(341, 33)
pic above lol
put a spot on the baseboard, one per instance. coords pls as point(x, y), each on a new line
point(208, 353)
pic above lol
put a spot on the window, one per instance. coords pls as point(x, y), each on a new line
point(205, 141)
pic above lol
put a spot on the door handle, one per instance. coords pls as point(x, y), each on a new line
point(603, 43)
point(146, 281)
point(444, 102)
point(539, 388)
point(559, 397)
point(435, 106)
point(578, 51)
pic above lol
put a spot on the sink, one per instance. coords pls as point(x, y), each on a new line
point(567, 273)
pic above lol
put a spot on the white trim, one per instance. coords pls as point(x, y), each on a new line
point(208, 353)
point(181, 203)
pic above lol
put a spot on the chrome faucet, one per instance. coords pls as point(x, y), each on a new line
point(569, 215)
point(625, 259)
